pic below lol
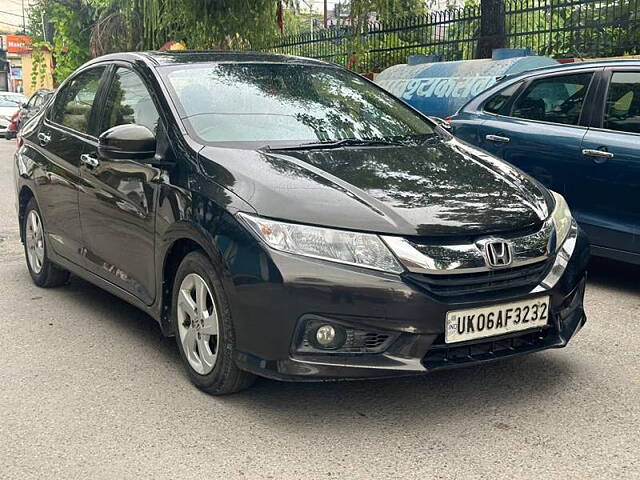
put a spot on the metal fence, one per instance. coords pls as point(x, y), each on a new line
point(575, 28)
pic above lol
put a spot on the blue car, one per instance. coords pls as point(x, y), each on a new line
point(576, 128)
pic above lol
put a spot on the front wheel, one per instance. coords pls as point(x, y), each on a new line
point(204, 330)
point(43, 272)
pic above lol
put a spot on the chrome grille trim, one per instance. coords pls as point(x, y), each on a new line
point(470, 257)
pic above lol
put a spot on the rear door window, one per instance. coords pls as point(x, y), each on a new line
point(557, 99)
point(33, 101)
point(622, 111)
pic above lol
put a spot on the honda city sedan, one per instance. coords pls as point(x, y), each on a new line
point(286, 218)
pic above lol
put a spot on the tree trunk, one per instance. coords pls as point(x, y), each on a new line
point(492, 27)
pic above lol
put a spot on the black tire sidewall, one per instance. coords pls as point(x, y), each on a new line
point(198, 263)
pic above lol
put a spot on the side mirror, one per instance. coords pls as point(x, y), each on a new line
point(127, 142)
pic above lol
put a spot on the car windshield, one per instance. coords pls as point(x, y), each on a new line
point(255, 102)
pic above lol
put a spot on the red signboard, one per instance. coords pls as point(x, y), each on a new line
point(17, 43)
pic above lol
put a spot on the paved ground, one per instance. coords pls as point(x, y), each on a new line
point(89, 389)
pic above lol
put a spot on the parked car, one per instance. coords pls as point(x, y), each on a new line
point(287, 218)
point(37, 101)
point(576, 128)
point(10, 103)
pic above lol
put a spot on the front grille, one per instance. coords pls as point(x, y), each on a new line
point(456, 285)
point(440, 356)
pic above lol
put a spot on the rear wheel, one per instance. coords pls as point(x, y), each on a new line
point(204, 330)
point(43, 272)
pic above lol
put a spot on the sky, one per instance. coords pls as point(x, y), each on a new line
point(11, 14)
point(318, 5)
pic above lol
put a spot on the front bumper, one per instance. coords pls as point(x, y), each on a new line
point(268, 315)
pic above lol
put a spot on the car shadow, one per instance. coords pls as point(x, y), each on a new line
point(612, 274)
point(123, 317)
point(478, 390)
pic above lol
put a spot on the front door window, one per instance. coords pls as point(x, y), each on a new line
point(622, 110)
point(129, 101)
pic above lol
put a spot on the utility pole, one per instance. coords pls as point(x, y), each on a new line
point(44, 28)
point(24, 23)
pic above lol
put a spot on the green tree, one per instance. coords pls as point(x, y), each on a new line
point(85, 28)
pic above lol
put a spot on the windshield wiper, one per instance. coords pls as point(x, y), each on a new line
point(347, 142)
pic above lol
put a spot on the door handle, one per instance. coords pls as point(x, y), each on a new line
point(44, 138)
point(498, 138)
point(599, 156)
point(89, 161)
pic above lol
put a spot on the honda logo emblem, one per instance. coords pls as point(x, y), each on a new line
point(498, 253)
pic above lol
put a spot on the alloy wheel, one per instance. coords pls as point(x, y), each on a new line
point(34, 239)
point(198, 323)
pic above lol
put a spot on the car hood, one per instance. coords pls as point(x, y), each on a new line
point(442, 188)
point(8, 111)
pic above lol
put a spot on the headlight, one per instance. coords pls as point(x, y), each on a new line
point(361, 249)
point(562, 219)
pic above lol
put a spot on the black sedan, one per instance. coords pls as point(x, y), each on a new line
point(284, 217)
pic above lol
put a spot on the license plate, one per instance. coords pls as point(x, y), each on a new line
point(465, 325)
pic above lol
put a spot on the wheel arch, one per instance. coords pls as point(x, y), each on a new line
point(178, 246)
point(24, 197)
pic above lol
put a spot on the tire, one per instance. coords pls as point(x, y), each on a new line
point(204, 329)
point(43, 272)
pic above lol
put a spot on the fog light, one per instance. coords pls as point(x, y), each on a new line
point(329, 336)
point(326, 335)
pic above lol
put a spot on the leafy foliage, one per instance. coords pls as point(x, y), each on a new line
point(38, 66)
point(86, 28)
point(72, 21)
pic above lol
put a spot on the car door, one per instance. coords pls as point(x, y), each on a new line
point(542, 131)
point(117, 206)
point(608, 197)
point(63, 136)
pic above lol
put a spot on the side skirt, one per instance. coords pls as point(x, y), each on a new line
point(98, 281)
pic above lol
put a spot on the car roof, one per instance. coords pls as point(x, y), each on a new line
point(182, 57)
point(510, 79)
point(573, 66)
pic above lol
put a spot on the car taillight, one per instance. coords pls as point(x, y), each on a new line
point(13, 124)
point(447, 119)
